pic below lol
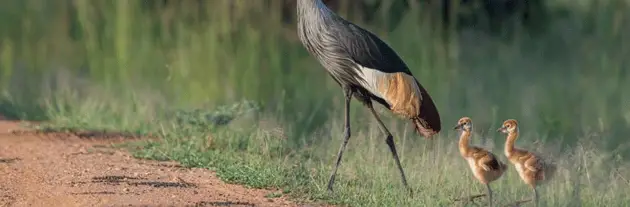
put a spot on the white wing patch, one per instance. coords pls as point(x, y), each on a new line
point(371, 79)
point(399, 90)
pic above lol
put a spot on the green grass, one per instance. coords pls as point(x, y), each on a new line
point(233, 91)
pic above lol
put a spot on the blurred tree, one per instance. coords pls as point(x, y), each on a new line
point(491, 15)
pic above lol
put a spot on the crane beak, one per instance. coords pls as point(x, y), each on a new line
point(502, 129)
point(458, 127)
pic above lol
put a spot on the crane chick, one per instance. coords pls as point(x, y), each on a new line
point(531, 168)
point(483, 163)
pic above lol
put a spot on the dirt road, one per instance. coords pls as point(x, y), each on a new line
point(63, 170)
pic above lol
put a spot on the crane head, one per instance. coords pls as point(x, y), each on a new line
point(464, 123)
point(508, 126)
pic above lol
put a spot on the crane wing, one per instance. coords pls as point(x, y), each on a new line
point(533, 163)
point(369, 51)
point(386, 76)
point(490, 162)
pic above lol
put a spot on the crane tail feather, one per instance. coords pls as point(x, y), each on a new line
point(419, 126)
point(428, 122)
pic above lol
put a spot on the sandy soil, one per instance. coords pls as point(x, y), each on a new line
point(65, 170)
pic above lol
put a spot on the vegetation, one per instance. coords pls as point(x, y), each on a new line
point(227, 86)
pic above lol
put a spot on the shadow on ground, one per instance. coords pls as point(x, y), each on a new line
point(223, 203)
point(137, 181)
point(9, 160)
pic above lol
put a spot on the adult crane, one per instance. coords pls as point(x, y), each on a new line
point(368, 69)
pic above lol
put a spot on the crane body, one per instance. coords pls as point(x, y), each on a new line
point(485, 165)
point(533, 169)
point(366, 68)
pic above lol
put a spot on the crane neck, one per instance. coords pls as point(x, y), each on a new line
point(312, 9)
point(509, 143)
point(308, 2)
point(464, 142)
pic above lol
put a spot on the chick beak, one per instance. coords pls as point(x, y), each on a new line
point(458, 127)
point(502, 129)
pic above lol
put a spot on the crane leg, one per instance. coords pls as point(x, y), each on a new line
point(392, 146)
point(535, 196)
point(489, 194)
point(348, 94)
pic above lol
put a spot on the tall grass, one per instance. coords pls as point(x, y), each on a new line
point(121, 65)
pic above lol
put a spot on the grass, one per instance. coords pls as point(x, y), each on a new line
point(227, 88)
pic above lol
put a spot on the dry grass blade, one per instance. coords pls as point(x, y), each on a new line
point(622, 177)
point(469, 199)
point(518, 203)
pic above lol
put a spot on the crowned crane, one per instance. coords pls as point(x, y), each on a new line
point(368, 69)
point(532, 168)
